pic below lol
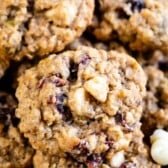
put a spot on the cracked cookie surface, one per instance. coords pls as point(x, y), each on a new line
point(13, 15)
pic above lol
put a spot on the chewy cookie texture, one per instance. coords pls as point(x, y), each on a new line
point(38, 27)
point(83, 84)
point(141, 24)
point(155, 65)
point(84, 105)
point(14, 149)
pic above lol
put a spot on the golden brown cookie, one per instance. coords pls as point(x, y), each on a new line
point(14, 149)
point(142, 24)
point(82, 103)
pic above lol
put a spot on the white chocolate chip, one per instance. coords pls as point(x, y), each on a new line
point(79, 103)
point(92, 140)
point(159, 134)
point(97, 87)
point(117, 159)
point(159, 151)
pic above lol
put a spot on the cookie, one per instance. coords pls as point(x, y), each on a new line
point(137, 155)
point(81, 103)
point(14, 149)
point(38, 27)
point(54, 24)
point(13, 15)
point(141, 24)
point(155, 65)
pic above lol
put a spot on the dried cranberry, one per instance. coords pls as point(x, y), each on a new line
point(59, 82)
point(52, 79)
point(128, 127)
point(61, 98)
point(163, 65)
point(85, 59)
point(67, 115)
point(41, 83)
point(60, 101)
point(81, 149)
point(73, 71)
point(136, 5)
point(65, 111)
point(121, 120)
point(109, 143)
point(94, 161)
point(60, 108)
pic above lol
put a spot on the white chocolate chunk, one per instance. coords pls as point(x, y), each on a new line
point(159, 134)
point(97, 87)
point(78, 102)
point(159, 151)
point(92, 140)
point(117, 159)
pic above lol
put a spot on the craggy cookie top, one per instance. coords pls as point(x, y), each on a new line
point(136, 156)
point(142, 24)
point(155, 66)
point(38, 27)
point(13, 15)
point(14, 149)
point(54, 24)
point(83, 103)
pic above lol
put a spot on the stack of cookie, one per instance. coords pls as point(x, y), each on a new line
point(84, 84)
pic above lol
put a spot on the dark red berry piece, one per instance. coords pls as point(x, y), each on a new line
point(119, 118)
point(85, 59)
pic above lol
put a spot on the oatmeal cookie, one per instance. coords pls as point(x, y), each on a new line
point(54, 24)
point(38, 27)
point(82, 103)
point(14, 149)
point(155, 115)
point(13, 15)
point(142, 24)
point(136, 156)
